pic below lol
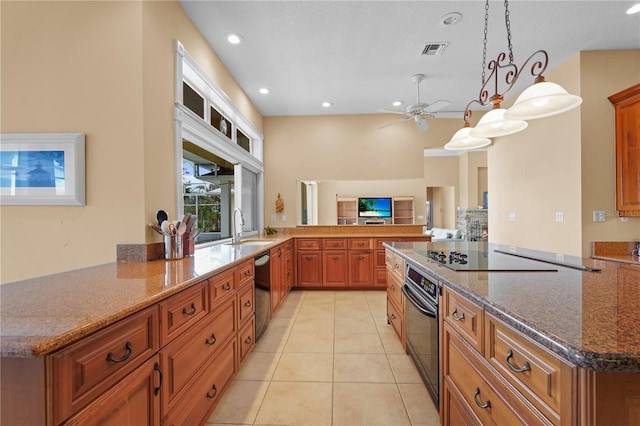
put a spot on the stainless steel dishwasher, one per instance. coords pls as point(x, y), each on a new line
point(262, 293)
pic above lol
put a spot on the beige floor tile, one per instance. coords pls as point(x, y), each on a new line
point(313, 324)
point(259, 366)
point(296, 403)
point(304, 367)
point(357, 343)
point(360, 404)
point(363, 368)
point(362, 323)
point(240, 403)
point(319, 341)
point(392, 343)
point(404, 370)
point(418, 403)
point(272, 341)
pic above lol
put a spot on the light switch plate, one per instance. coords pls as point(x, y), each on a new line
point(598, 215)
point(559, 217)
point(284, 217)
point(512, 217)
point(273, 218)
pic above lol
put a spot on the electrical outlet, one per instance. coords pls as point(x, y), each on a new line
point(512, 217)
point(273, 218)
point(420, 217)
point(284, 217)
point(559, 217)
point(598, 216)
point(559, 257)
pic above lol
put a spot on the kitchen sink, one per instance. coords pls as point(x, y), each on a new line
point(251, 242)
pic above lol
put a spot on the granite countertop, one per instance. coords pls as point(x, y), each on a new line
point(587, 318)
point(41, 315)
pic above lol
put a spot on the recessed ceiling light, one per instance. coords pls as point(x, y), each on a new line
point(234, 38)
point(264, 90)
point(633, 9)
point(450, 19)
point(326, 104)
point(397, 103)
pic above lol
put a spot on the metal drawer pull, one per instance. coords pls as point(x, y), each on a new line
point(191, 312)
point(525, 366)
point(393, 317)
point(247, 304)
point(475, 398)
point(226, 286)
point(156, 367)
point(124, 358)
point(213, 340)
point(215, 391)
point(248, 340)
point(455, 317)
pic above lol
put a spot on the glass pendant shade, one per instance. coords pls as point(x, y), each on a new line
point(462, 140)
point(493, 124)
point(541, 100)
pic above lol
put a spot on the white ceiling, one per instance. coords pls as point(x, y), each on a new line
point(360, 55)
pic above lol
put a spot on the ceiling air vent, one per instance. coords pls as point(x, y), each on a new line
point(432, 49)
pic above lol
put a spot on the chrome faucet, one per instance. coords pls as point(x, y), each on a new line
point(235, 234)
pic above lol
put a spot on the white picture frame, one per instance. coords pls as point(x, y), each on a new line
point(42, 169)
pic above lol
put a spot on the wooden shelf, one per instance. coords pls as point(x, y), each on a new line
point(347, 211)
point(403, 210)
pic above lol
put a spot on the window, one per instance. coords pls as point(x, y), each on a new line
point(221, 153)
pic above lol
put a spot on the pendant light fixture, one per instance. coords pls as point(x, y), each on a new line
point(462, 140)
point(542, 99)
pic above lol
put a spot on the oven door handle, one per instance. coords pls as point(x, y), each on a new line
point(426, 308)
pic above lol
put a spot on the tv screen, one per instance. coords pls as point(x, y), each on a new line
point(378, 207)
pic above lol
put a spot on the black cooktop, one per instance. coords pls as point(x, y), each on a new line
point(487, 261)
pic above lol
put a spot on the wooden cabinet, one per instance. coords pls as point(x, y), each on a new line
point(403, 210)
point(395, 298)
point(133, 401)
point(627, 107)
point(86, 369)
point(493, 374)
point(347, 211)
point(335, 271)
point(181, 311)
point(309, 262)
point(281, 270)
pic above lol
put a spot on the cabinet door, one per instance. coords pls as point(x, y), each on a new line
point(334, 264)
point(309, 269)
point(627, 105)
point(133, 401)
point(360, 268)
point(276, 277)
point(288, 265)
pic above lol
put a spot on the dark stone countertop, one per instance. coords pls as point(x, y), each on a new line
point(588, 318)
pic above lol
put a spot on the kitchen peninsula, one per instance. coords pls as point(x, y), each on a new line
point(560, 345)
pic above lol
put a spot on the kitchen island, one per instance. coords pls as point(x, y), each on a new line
point(575, 320)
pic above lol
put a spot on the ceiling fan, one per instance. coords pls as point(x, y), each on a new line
point(418, 111)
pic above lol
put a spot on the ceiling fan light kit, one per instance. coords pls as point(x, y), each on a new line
point(542, 99)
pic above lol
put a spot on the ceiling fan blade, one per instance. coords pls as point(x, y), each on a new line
point(437, 105)
point(393, 122)
point(392, 111)
point(422, 124)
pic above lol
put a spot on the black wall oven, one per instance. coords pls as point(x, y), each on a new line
point(421, 291)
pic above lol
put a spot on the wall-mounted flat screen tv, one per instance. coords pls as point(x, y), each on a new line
point(374, 207)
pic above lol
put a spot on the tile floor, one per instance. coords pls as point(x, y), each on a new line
point(328, 358)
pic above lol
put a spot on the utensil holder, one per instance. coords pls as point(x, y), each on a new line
point(173, 247)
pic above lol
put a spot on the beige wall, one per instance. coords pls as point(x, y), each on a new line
point(105, 69)
point(564, 164)
point(601, 75)
point(349, 149)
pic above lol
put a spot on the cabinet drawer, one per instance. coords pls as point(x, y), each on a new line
point(394, 291)
point(378, 242)
point(245, 273)
point(334, 243)
point(395, 317)
point(221, 286)
point(246, 303)
point(539, 375)
point(360, 244)
point(395, 264)
point(181, 311)
point(308, 244)
point(87, 368)
point(205, 389)
point(133, 401)
point(483, 392)
point(246, 340)
point(465, 317)
point(182, 357)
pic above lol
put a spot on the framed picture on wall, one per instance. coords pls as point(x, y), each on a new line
point(42, 169)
